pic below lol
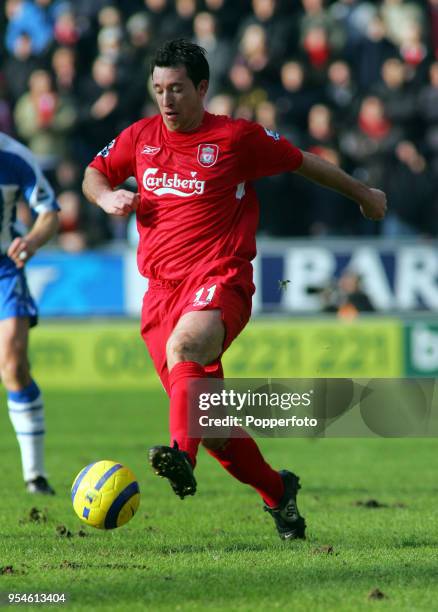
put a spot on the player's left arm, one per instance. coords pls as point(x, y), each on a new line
point(372, 202)
point(23, 248)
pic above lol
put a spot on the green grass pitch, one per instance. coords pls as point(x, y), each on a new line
point(219, 550)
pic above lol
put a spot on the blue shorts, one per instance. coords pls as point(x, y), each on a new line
point(15, 297)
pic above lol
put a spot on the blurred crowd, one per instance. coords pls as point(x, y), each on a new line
point(354, 81)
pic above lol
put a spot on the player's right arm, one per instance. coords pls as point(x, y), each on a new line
point(111, 167)
point(97, 189)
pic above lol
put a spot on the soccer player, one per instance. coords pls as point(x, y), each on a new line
point(197, 216)
point(21, 176)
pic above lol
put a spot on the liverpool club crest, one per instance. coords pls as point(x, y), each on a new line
point(208, 154)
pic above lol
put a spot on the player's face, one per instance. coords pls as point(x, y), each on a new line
point(180, 102)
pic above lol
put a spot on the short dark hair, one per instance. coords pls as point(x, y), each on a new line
point(182, 52)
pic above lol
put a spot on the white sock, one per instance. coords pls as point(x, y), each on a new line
point(26, 412)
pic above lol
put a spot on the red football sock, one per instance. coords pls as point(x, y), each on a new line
point(178, 417)
point(242, 458)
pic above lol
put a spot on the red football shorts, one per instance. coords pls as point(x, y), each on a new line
point(225, 284)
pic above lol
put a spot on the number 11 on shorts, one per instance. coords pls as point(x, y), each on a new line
point(198, 295)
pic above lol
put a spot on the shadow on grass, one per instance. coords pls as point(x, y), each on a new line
point(213, 548)
point(417, 543)
point(205, 581)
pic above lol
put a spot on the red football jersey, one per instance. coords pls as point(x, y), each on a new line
point(197, 202)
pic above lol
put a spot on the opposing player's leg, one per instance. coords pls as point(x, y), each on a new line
point(25, 403)
point(196, 341)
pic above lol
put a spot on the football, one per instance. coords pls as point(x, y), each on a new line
point(105, 494)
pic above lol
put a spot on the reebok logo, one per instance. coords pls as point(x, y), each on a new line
point(147, 150)
point(164, 183)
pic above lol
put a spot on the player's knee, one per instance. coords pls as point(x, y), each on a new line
point(214, 444)
point(182, 347)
